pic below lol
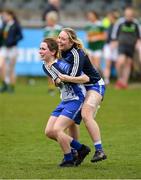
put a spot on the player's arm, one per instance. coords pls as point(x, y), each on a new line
point(49, 72)
point(76, 62)
point(138, 30)
point(56, 80)
point(74, 74)
point(79, 79)
point(64, 72)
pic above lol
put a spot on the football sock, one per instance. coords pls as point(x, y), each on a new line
point(98, 145)
point(68, 157)
point(73, 151)
point(75, 144)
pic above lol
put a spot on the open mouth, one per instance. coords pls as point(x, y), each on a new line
point(41, 55)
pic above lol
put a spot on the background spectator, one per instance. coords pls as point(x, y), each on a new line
point(11, 35)
point(96, 37)
point(52, 5)
point(126, 33)
point(110, 54)
point(52, 29)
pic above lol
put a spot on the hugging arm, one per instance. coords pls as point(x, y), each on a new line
point(67, 76)
point(79, 79)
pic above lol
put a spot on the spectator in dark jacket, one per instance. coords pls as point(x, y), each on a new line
point(11, 35)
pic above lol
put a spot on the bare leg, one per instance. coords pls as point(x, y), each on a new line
point(12, 71)
point(50, 127)
point(119, 66)
point(63, 139)
point(107, 71)
point(74, 131)
point(95, 60)
point(89, 109)
point(90, 106)
point(127, 71)
point(3, 69)
point(4, 86)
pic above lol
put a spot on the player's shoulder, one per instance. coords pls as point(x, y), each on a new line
point(61, 62)
point(121, 20)
point(76, 51)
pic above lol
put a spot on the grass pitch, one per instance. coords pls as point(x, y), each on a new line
point(25, 152)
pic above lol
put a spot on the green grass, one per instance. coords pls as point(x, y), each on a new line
point(26, 153)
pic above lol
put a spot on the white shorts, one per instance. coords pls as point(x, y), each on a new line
point(9, 53)
point(110, 54)
point(97, 53)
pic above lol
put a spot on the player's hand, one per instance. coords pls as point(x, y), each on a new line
point(64, 77)
point(58, 82)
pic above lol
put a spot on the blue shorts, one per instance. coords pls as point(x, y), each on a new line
point(98, 87)
point(70, 109)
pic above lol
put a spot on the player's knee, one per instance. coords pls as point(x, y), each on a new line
point(56, 131)
point(49, 133)
point(85, 115)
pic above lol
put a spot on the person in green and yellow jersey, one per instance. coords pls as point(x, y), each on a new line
point(51, 30)
point(96, 37)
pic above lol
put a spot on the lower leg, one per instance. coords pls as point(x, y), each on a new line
point(74, 131)
point(64, 140)
point(107, 72)
point(89, 109)
point(94, 132)
point(126, 71)
point(119, 66)
point(3, 75)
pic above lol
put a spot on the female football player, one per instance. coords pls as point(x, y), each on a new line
point(73, 53)
point(68, 112)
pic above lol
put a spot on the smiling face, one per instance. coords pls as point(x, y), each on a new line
point(45, 52)
point(64, 41)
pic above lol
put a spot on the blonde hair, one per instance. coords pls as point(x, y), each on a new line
point(73, 38)
point(52, 16)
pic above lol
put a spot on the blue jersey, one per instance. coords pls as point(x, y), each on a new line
point(69, 91)
point(80, 62)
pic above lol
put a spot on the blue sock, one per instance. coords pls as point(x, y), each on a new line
point(73, 151)
point(68, 157)
point(75, 144)
point(98, 145)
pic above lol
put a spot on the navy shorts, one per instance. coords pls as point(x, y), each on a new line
point(70, 109)
point(126, 50)
point(98, 87)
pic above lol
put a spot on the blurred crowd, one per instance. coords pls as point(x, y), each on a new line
point(113, 40)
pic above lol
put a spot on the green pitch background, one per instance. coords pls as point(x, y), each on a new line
point(26, 153)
